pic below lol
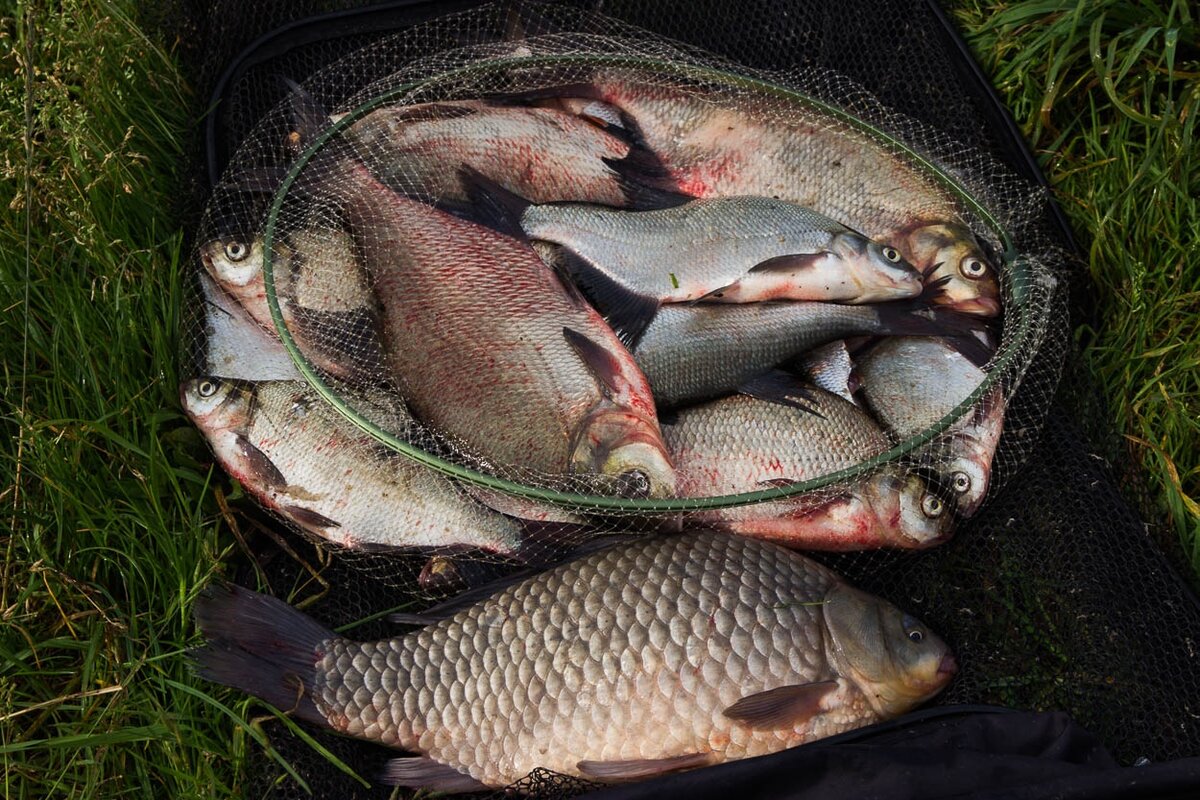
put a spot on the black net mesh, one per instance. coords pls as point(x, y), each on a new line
point(1053, 596)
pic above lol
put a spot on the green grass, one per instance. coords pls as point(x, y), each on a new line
point(109, 525)
point(105, 493)
point(1106, 92)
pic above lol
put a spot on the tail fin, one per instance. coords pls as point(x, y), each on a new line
point(495, 206)
point(262, 646)
point(917, 318)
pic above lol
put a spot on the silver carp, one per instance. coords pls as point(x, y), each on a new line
point(302, 459)
point(664, 654)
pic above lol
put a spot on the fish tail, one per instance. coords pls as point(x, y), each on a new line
point(496, 206)
point(262, 646)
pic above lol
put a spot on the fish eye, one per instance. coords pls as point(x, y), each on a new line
point(206, 388)
point(961, 482)
point(915, 635)
point(235, 250)
point(634, 484)
point(891, 254)
point(932, 506)
point(973, 268)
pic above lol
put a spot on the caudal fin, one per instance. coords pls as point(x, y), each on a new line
point(262, 646)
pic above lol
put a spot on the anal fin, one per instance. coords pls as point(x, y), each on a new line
point(639, 768)
point(425, 773)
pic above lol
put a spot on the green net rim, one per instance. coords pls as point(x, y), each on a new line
point(1016, 276)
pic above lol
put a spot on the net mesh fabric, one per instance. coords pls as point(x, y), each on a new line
point(1017, 591)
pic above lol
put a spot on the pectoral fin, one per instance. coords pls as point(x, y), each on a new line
point(784, 707)
point(637, 769)
point(261, 466)
point(604, 365)
point(626, 311)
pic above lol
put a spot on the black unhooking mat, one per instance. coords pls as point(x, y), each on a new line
point(1054, 597)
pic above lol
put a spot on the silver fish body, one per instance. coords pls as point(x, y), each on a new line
point(695, 352)
point(543, 154)
point(743, 444)
point(662, 654)
point(726, 249)
point(322, 292)
point(300, 458)
point(720, 146)
point(910, 383)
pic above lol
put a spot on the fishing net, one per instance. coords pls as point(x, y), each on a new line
point(1030, 592)
point(336, 192)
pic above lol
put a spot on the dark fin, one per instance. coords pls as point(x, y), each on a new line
point(782, 389)
point(916, 318)
point(668, 416)
point(780, 708)
point(972, 349)
point(645, 181)
point(604, 365)
point(788, 263)
point(261, 466)
point(431, 112)
point(309, 518)
point(308, 117)
point(260, 645)
point(627, 312)
point(495, 206)
point(636, 769)
point(425, 773)
point(581, 89)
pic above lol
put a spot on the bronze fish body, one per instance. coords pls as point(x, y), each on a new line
point(663, 654)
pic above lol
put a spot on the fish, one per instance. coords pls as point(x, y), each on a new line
point(657, 655)
point(697, 352)
point(493, 351)
point(910, 383)
point(723, 250)
point(235, 345)
point(300, 458)
point(720, 144)
point(747, 444)
point(542, 153)
point(322, 292)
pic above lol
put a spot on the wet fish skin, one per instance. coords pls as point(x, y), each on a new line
point(725, 146)
point(490, 348)
point(743, 444)
point(541, 153)
point(910, 383)
point(696, 352)
point(726, 249)
point(322, 293)
point(661, 654)
point(302, 459)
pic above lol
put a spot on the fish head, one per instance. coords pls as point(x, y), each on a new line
point(894, 660)
point(217, 403)
point(957, 271)
point(912, 513)
point(972, 447)
point(233, 262)
point(880, 272)
point(624, 454)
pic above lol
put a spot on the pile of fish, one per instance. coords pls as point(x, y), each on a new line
point(622, 286)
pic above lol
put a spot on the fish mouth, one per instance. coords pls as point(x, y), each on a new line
point(948, 667)
point(979, 306)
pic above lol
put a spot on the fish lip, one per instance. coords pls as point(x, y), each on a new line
point(948, 667)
